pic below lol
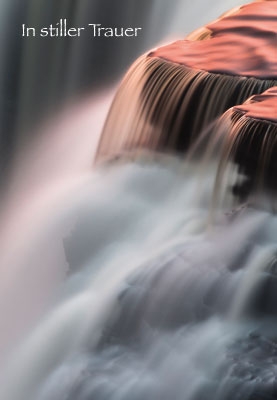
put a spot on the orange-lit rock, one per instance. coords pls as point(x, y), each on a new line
point(262, 106)
point(242, 43)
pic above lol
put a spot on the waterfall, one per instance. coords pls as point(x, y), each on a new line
point(249, 140)
point(173, 93)
point(154, 304)
point(152, 274)
point(39, 78)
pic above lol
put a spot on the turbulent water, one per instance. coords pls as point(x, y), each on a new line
point(158, 303)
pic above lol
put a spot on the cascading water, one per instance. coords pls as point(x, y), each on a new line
point(172, 93)
point(153, 307)
point(248, 132)
point(151, 297)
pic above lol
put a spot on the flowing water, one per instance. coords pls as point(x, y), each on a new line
point(146, 277)
point(156, 303)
